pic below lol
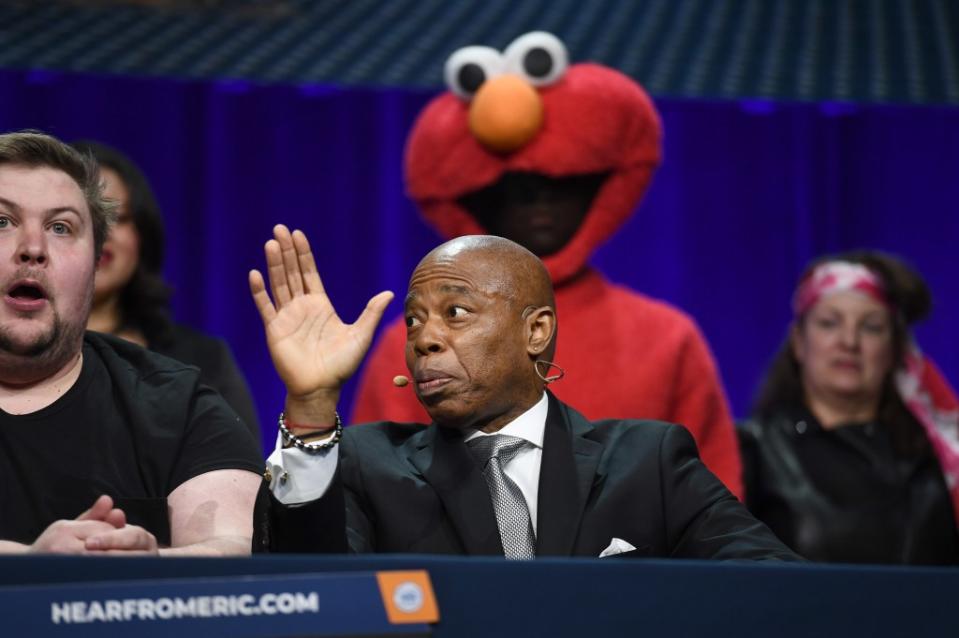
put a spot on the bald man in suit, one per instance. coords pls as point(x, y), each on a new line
point(505, 468)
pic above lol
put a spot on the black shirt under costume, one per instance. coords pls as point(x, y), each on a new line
point(845, 494)
point(135, 426)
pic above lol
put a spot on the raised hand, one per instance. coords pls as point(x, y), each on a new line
point(313, 351)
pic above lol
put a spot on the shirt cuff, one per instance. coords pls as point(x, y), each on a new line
point(298, 477)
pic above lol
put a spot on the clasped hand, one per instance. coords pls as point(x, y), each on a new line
point(102, 529)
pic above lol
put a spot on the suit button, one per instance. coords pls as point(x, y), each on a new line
point(801, 427)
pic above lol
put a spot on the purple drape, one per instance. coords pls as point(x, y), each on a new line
point(747, 194)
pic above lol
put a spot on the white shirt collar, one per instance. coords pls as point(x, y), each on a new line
point(530, 425)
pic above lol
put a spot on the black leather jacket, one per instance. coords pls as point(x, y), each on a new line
point(845, 495)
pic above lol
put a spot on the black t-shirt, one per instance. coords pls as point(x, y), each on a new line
point(217, 367)
point(135, 426)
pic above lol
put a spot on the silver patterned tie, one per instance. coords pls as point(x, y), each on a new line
point(512, 513)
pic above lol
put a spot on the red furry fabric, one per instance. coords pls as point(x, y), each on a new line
point(597, 120)
point(625, 355)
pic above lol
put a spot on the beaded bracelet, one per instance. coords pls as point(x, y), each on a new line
point(291, 439)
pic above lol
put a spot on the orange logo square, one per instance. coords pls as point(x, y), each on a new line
point(408, 597)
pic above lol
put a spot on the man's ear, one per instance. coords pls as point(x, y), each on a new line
point(540, 329)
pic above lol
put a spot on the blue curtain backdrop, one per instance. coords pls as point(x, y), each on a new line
point(747, 194)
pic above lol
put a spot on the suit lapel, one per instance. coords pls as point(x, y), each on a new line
point(566, 476)
point(446, 464)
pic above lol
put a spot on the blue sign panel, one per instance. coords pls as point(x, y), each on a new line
point(329, 604)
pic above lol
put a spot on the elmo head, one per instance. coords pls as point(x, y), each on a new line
point(555, 157)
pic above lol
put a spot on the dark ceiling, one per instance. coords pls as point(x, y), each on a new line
point(856, 50)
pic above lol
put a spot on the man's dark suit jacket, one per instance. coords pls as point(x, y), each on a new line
point(410, 488)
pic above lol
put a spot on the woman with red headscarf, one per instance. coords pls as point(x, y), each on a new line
point(852, 454)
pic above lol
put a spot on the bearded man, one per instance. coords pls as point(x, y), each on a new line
point(105, 447)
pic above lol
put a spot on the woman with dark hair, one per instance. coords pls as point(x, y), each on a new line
point(852, 453)
point(130, 298)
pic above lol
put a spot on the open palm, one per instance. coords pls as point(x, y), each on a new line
point(312, 349)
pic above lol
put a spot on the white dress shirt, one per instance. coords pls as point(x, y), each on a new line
point(523, 468)
point(299, 477)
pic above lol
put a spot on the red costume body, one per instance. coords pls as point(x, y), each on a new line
point(625, 355)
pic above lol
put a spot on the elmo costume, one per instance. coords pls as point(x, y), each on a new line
point(557, 157)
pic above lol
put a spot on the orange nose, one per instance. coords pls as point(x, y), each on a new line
point(506, 113)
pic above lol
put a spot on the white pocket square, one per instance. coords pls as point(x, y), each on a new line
point(616, 546)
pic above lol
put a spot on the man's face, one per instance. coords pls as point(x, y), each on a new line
point(466, 345)
point(46, 262)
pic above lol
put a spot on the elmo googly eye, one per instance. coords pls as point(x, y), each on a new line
point(468, 68)
point(539, 57)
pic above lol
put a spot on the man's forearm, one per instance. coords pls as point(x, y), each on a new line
point(11, 547)
point(223, 546)
point(238, 545)
point(212, 514)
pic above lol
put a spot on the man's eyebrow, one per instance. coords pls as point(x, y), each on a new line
point(460, 290)
point(11, 205)
point(466, 291)
point(64, 209)
point(53, 211)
